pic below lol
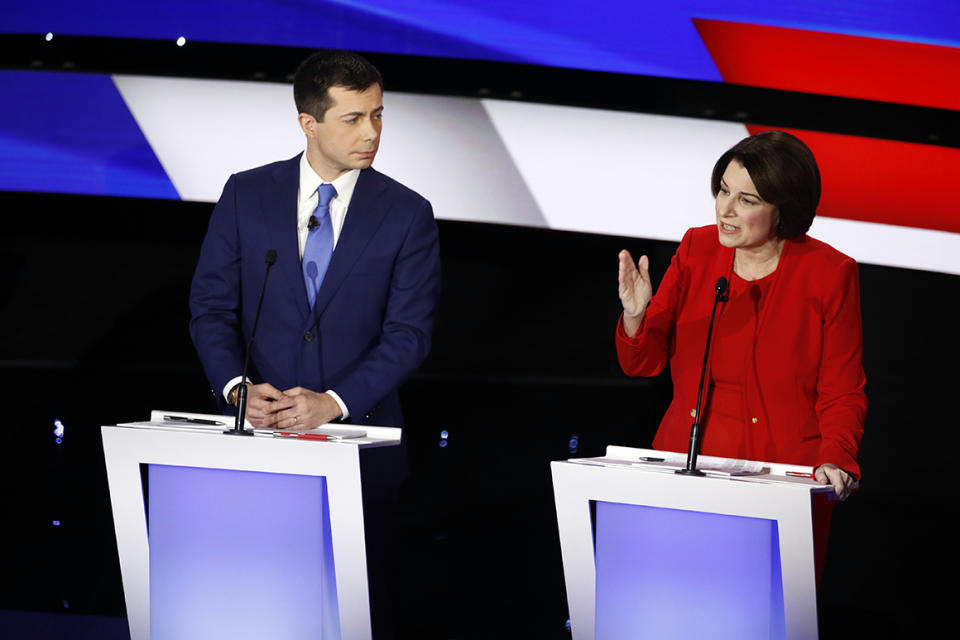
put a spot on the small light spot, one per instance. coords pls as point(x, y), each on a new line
point(56, 523)
point(48, 37)
point(444, 434)
point(181, 41)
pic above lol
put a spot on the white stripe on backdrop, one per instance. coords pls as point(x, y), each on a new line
point(568, 168)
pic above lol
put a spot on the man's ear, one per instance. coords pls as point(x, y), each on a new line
point(308, 124)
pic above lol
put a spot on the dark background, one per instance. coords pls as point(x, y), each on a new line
point(93, 331)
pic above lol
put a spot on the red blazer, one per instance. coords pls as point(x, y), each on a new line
point(803, 396)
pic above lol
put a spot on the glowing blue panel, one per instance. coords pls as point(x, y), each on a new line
point(73, 133)
point(667, 573)
point(239, 554)
point(625, 36)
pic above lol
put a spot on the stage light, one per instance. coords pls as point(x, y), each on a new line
point(444, 434)
point(181, 41)
point(56, 523)
point(573, 444)
point(58, 428)
point(48, 37)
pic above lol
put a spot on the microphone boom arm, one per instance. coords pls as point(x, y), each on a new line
point(238, 429)
point(696, 432)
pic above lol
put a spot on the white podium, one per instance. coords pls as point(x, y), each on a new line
point(648, 553)
point(239, 537)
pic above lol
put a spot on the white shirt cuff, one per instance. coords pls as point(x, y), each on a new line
point(231, 385)
point(339, 401)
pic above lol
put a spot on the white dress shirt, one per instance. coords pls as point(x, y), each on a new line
point(307, 200)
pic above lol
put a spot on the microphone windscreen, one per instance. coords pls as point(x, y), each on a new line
point(721, 285)
point(271, 257)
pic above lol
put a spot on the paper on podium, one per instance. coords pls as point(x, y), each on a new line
point(670, 461)
point(734, 468)
point(365, 437)
point(323, 432)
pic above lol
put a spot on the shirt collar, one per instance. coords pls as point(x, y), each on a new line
point(309, 181)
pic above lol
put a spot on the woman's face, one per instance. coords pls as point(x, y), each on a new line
point(744, 219)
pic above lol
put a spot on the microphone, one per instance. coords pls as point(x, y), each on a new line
point(721, 288)
point(696, 433)
point(238, 430)
point(313, 223)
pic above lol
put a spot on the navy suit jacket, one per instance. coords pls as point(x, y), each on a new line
point(372, 321)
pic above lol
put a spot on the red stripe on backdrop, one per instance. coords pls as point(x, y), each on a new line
point(834, 64)
point(899, 183)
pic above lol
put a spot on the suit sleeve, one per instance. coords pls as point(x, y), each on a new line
point(408, 319)
point(841, 403)
point(648, 352)
point(215, 296)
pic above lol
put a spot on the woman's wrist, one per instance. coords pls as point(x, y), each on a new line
point(631, 322)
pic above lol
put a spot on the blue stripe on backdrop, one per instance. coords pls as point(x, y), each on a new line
point(627, 36)
point(73, 133)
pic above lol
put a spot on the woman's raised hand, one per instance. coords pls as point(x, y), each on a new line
point(635, 290)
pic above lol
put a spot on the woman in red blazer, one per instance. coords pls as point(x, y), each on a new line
point(785, 376)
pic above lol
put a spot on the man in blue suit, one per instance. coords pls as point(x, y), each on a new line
point(348, 312)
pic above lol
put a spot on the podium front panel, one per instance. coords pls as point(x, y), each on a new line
point(670, 573)
point(785, 507)
point(326, 477)
point(239, 554)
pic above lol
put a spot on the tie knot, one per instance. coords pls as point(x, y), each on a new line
point(325, 193)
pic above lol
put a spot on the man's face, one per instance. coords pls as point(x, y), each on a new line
point(349, 135)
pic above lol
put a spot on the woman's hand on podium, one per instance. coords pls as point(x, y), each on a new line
point(833, 475)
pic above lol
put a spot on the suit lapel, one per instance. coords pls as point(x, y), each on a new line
point(279, 206)
point(364, 216)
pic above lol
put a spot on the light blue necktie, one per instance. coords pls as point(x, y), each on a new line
point(319, 247)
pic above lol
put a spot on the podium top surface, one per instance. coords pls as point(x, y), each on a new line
point(654, 461)
point(213, 424)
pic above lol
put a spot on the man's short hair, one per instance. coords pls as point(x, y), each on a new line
point(785, 173)
point(325, 69)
